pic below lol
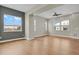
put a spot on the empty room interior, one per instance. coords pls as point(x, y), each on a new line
point(39, 29)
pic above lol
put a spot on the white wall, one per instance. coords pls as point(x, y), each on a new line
point(40, 26)
point(75, 25)
point(73, 28)
point(27, 26)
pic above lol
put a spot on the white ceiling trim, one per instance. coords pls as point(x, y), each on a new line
point(20, 7)
point(64, 10)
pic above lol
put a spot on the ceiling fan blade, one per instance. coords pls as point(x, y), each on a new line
point(55, 14)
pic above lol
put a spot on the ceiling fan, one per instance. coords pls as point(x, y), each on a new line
point(55, 14)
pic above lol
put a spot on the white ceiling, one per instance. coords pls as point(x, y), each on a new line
point(64, 10)
point(20, 7)
point(48, 10)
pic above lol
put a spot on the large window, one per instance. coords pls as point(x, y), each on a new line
point(46, 25)
point(34, 25)
point(62, 25)
point(12, 23)
point(57, 26)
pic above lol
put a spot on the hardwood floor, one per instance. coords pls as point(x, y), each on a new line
point(47, 45)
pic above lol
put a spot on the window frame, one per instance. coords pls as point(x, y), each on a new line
point(60, 25)
point(13, 25)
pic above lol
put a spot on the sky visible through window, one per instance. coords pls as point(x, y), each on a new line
point(12, 20)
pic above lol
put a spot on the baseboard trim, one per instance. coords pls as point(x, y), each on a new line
point(11, 40)
point(70, 37)
point(30, 38)
point(41, 36)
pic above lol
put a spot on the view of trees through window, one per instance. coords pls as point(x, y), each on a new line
point(12, 23)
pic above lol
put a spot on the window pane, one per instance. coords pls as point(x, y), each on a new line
point(57, 24)
point(65, 22)
point(12, 23)
point(57, 28)
point(46, 25)
point(34, 25)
